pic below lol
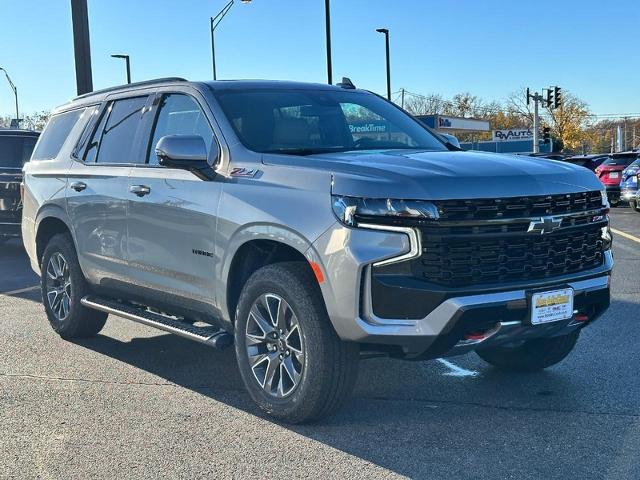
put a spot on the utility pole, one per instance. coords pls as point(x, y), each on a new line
point(15, 94)
point(402, 98)
point(81, 46)
point(385, 32)
point(536, 97)
point(127, 64)
point(327, 22)
point(551, 98)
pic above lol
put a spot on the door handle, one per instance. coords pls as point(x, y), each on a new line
point(140, 190)
point(78, 186)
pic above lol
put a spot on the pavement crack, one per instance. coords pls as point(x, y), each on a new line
point(98, 381)
point(501, 407)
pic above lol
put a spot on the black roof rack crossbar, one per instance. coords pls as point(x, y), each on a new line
point(130, 85)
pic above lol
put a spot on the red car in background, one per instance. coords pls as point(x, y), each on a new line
point(610, 173)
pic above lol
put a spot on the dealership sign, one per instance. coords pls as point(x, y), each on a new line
point(515, 134)
point(461, 124)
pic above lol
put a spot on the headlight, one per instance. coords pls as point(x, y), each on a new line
point(350, 209)
point(605, 200)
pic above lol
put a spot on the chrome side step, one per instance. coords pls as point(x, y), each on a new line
point(210, 336)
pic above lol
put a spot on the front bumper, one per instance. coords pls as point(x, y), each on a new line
point(349, 286)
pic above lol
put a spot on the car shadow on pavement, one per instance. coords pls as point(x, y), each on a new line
point(415, 420)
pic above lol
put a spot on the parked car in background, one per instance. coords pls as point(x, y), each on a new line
point(610, 173)
point(15, 149)
point(629, 185)
point(549, 155)
point(451, 139)
point(588, 161)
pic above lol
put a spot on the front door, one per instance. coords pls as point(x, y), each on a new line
point(172, 214)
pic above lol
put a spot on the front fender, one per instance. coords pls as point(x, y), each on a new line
point(248, 233)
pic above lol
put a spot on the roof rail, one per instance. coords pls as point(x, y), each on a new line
point(129, 85)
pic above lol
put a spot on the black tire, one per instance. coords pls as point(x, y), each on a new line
point(533, 355)
point(634, 205)
point(79, 321)
point(330, 366)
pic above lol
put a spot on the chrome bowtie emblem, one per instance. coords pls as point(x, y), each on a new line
point(544, 225)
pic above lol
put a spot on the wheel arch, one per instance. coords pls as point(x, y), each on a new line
point(256, 247)
point(50, 221)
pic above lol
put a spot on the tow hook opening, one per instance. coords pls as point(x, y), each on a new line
point(581, 317)
point(480, 334)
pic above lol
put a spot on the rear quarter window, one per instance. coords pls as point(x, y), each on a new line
point(55, 134)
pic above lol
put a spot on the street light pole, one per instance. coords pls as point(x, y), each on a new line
point(327, 21)
point(214, 23)
point(385, 31)
point(15, 91)
point(128, 64)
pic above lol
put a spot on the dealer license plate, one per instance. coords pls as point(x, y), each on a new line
point(551, 306)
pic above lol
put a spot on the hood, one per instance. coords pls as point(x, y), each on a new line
point(447, 174)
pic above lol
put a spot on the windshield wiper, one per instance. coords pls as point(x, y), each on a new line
point(305, 151)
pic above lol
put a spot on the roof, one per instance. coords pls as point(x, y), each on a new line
point(269, 84)
point(216, 85)
point(127, 86)
point(15, 132)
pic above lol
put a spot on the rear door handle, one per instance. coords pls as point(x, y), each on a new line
point(78, 186)
point(140, 190)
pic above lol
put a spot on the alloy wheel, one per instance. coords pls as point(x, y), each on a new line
point(274, 345)
point(58, 286)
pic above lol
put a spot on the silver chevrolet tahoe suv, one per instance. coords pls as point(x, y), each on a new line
point(309, 226)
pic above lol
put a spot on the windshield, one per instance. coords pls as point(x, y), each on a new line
point(304, 122)
point(15, 150)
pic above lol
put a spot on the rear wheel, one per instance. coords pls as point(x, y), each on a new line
point(291, 360)
point(635, 205)
point(532, 355)
point(63, 285)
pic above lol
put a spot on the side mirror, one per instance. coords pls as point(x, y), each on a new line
point(186, 152)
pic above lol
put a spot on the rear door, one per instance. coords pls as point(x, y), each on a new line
point(172, 226)
point(97, 189)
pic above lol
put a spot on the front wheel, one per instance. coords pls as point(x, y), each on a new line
point(291, 360)
point(532, 355)
point(635, 205)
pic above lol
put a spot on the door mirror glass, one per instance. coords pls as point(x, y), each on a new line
point(186, 152)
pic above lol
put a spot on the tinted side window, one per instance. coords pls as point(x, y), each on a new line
point(94, 143)
point(119, 133)
point(15, 150)
point(179, 115)
point(55, 134)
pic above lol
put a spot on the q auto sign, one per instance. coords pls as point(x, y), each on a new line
point(517, 134)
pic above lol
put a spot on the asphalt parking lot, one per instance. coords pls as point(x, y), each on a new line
point(135, 402)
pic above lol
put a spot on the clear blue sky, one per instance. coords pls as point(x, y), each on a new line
point(489, 48)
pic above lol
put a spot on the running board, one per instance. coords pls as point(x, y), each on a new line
point(211, 336)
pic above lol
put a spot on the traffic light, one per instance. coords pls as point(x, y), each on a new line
point(549, 97)
point(557, 97)
point(546, 135)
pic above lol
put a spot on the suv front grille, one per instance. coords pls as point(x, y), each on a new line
point(460, 260)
